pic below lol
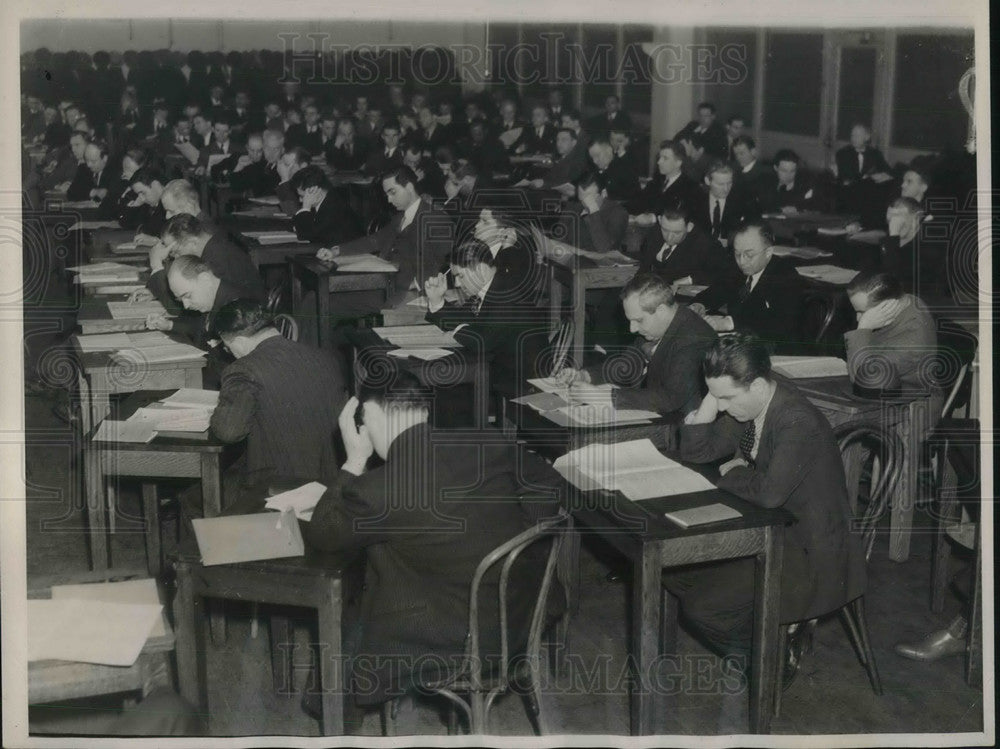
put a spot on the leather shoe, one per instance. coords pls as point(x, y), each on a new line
point(793, 658)
point(936, 645)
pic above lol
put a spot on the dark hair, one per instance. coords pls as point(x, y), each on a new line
point(744, 140)
point(707, 105)
point(719, 166)
point(470, 253)
point(673, 146)
point(695, 139)
point(390, 124)
point(878, 286)
point(302, 156)
point(652, 286)
point(311, 176)
point(620, 129)
point(403, 176)
point(920, 172)
point(189, 266)
point(674, 213)
point(600, 140)
point(403, 390)
point(742, 357)
point(571, 113)
point(242, 317)
point(182, 226)
point(572, 133)
point(786, 154)
point(762, 229)
point(734, 117)
point(586, 180)
point(147, 175)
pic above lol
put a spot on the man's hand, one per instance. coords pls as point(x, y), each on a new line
point(896, 222)
point(451, 188)
point(158, 321)
point(645, 219)
point(731, 464)
point(790, 210)
point(590, 203)
point(158, 254)
point(327, 254)
point(146, 240)
point(357, 443)
point(698, 308)
point(882, 314)
point(199, 172)
point(241, 163)
point(720, 323)
point(706, 413)
point(853, 228)
point(140, 295)
point(283, 170)
point(98, 193)
point(311, 198)
point(568, 376)
point(435, 288)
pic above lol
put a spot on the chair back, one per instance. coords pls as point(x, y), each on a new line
point(275, 298)
point(884, 445)
point(287, 326)
point(816, 312)
point(953, 364)
point(559, 344)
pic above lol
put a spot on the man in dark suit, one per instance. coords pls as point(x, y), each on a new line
point(615, 176)
point(253, 173)
point(556, 108)
point(506, 123)
point(661, 371)
point(417, 238)
point(613, 116)
point(860, 160)
point(155, 127)
point(221, 155)
point(488, 154)
point(325, 217)
point(426, 518)
point(433, 135)
point(735, 128)
point(712, 132)
point(540, 136)
point(390, 155)
point(430, 179)
point(97, 179)
point(754, 179)
point(306, 134)
point(723, 209)
point(348, 151)
point(281, 396)
point(794, 190)
point(670, 188)
point(594, 222)
point(912, 256)
point(681, 253)
point(782, 454)
point(763, 298)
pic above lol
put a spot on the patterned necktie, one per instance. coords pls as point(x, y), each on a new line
point(747, 442)
point(665, 252)
point(745, 289)
point(716, 219)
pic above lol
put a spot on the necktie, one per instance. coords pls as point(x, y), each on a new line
point(745, 289)
point(716, 219)
point(539, 132)
point(861, 162)
point(665, 252)
point(747, 441)
point(647, 348)
point(97, 178)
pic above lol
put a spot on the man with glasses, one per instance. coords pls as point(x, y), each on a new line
point(762, 299)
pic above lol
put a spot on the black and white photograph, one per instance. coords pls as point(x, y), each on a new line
point(502, 374)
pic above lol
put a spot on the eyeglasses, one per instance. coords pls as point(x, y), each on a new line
point(748, 254)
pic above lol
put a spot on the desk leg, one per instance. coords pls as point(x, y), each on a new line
point(766, 634)
point(211, 485)
point(151, 514)
point(332, 664)
point(97, 521)
point(905, 493)
point(555, 299)
point(647, 589)
point(191, 655)
point(323, 311)
point(579, 302)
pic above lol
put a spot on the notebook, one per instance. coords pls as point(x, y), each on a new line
point(713, 513)
point(809, 366)
point(248, 538)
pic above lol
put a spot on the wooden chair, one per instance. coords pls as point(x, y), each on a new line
point(482, 686)
point(887, 449)
point(287, 326)
point(956, 352)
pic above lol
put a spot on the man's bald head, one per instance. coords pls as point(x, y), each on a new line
point(180, 196)
point(193, 283)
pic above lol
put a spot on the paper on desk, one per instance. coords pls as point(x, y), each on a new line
point(266, 200)
point(418, 301)
point(614, 259)
point(595, 414)
point(102, 342)
point(165, 419)
point(548, 385)
point(78, 204)
point(111, 278)
point(274, 237)
point(119, 288)
point(417, 336)
point(809, 366)
point(541, 402)
point(188, 151)
point(363, 263)
point(302, 501)
point(124, 431)
point(85, 631)
point(125, 591)
point(832, 231)
point(100, 269)
point(871, 236)
point(193, 397)
point(712, 513)
point(690, 289)
point(125, 247)
point(89, 225)
point(427, 354)
point(248, 538)
point(173, 352)
point(216, 158)
point(832, 274)
point(136, 311)
point(148, 339)
point(803, 253)
point(509, 137)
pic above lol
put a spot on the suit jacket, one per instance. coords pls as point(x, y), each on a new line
point(847, 164)
point(82, 183)
point(215, 149)
point(682, 192)
point(198, 327)
point(757, 184)
point(602, 124)
point(377, 162)
point(284, 398)
point(462, 500)
point(332, 223)
point(798, 467)
point(442, 135)
point(671, 380)
point(538, 144)
point(298, 136)
point(594, 232)
point(231, 263)
point(770, 310)
point(488, 157)
point(620, 180)
point(259, 178)
point(508, 330)
point(716, 142)
point(738, 208)
point(921, 265)
point(420, 250)
point(339, 158)
point(697, 256)
point(802, 195)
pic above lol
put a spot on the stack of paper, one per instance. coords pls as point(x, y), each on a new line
point(595, 414)
point(596, 394)
point(89, 631)
point(302, 501)
point(364, 263)
point(187, 410)
point(831, 274)
point(124, 431)
point(126, 591)
point(100, 273)
point(266, 200)
point(809, 366)
point(690, 289)
point(417, 336)
point(426, 354)
point(542, 402)
point(136, 311)
point(90, 225)
point(247, 538)
point(102, 342)
point(193, 398)
point(636, 469)
point(172, 352)
point(802, 253)
point(274, 237)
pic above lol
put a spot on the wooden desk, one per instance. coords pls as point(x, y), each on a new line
point(578, 274)
point(312, 581)
point(835, 397)
point(94, 317)
point(324, 280)
point(639, 531)
point(271, 255)
point(169, 455)
point(806, 222)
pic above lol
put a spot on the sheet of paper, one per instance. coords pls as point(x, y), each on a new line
point(548, 385)
point(266, 200)
point(803, 253)
point(426, 354)
point(509, 137)
point(85, 631)
point(712, 513)
point(102, 342)
point(119, 288)
point(126, 247)
point(173, 352)
point(164, 419)
point(137, 311)
point(124, 431)
point(111, 278)
point(141, 591)
point(417, 336)
point(90, 225)
point(592, 414)
point(100, 269)
point(690, 289)
point(364, 263)
point(193, 397)
point(872, 236)
point(216, 158)
point(78, 204)
point(542, 402)
point(809, 366)
point(832, 231)
point(302, 500)
point(597, 394)
point(148, 339)
point(665, 482)
point(248, 538)
point(188, 151)
point(832, 274)
point(418, 301)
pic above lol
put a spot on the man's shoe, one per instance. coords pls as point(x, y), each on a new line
point(794, 647)
point(940, 644)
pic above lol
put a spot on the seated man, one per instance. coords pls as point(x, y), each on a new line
point(306, 134)
point(147, 184)
point(388, 157)
point(219, 157)
point(488, 154)
point(348, 151)
point(783, 454)
point(920, 265)
point(859, 160)
point(663, 366)
point(426, 518)
point(496, 322)
point(540, 137)
point(433, 135)
point(681, 253)
point(710, 129)
point(594, 223)
point(282, 397)
point(895, 344)
point(180, 196)
point(463, 185)
point(570, 165)
point(430, 179)
point(61, 170)
point(417, 238)
point(698, 160)
point(325, 217)
point(763, 298)
point(670, 188)
point(754, 178)
point(794, 191)
point(101, 178)
point(723, 209)
point(253, 173)
point(616, 177)
point(185, 235)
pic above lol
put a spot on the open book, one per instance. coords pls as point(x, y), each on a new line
point(636, 469)
point(417, 336)
point(809, 366)
point(831, 274)
point(363, 263)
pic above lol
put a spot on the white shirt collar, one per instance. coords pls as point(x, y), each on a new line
point(409, 213)
point(748, 167)
point(755, 278)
